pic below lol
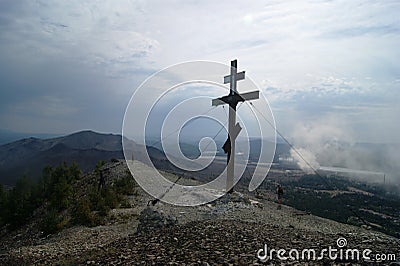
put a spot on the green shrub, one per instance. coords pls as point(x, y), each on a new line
point(102, 201)
point(82, 214)
point(114, 160)
point(52, 223)
point(19, 204)
point(111, 198)
point(125, 186)
point(98, 166)
point(61, 192)
point(3, 202)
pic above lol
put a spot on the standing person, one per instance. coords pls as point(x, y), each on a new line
point(279, 192)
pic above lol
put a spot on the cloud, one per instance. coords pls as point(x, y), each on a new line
point(86, 33)
point(47, 106)
point(313, 59)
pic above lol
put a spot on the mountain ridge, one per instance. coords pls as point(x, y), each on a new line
point(30, 155)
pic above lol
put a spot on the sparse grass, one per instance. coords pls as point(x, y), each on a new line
point(125, 204)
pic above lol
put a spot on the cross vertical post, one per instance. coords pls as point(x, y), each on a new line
point(233, 98)
point(231, 152)
point(232, 122)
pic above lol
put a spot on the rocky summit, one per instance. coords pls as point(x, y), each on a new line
point(241, 228)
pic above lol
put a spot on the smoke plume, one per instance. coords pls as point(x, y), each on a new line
point(329, 142)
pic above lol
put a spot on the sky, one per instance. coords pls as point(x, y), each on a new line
point(326, 67)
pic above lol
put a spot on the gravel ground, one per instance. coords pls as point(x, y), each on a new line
point(229, 231)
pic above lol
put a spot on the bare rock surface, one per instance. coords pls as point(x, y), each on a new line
point(228, 231)
point(151, 220)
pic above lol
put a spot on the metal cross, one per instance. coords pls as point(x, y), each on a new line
point(233, 98)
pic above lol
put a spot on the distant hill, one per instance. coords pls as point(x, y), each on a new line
point(7, 136)
point(29, 156)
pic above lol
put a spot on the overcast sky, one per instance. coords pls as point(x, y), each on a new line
point(72, 65)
